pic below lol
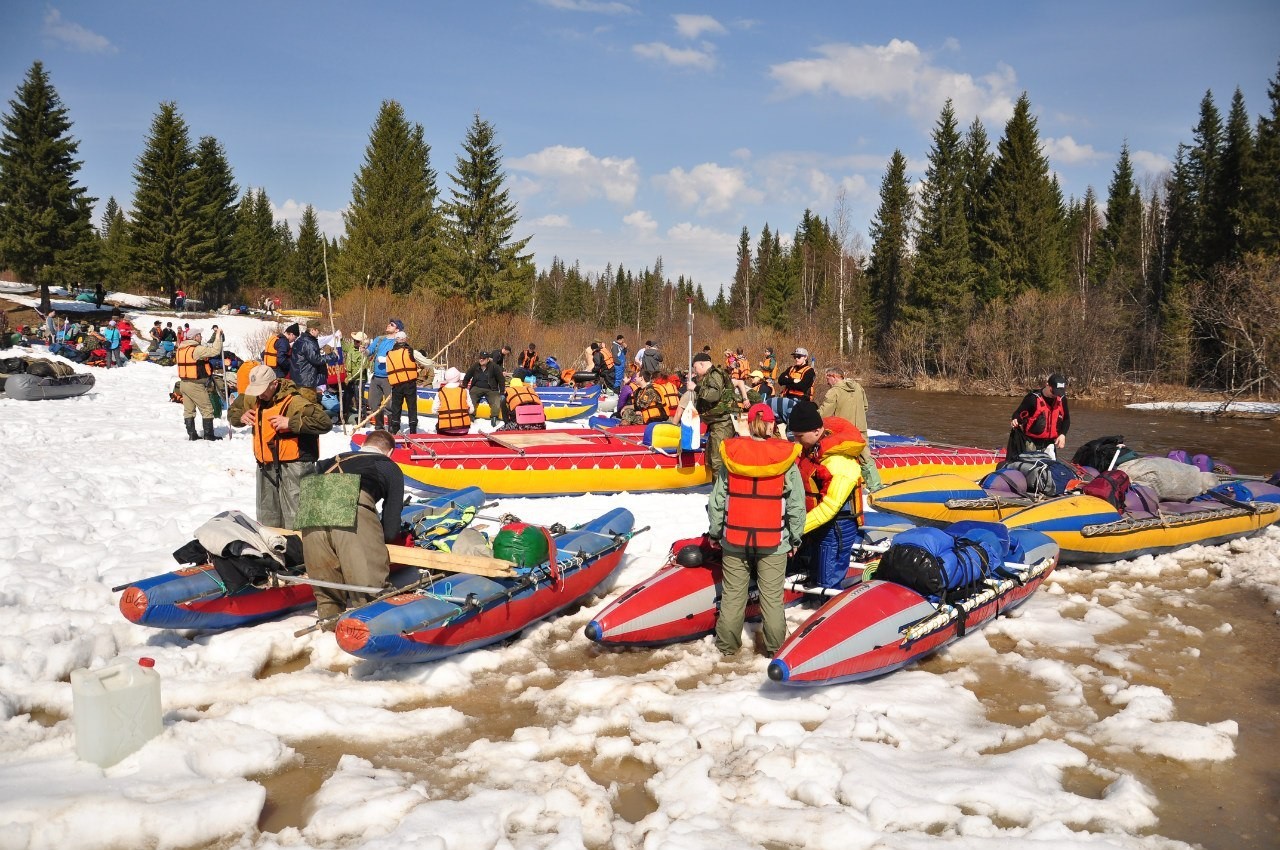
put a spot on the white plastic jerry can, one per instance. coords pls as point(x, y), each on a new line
point(116, 709)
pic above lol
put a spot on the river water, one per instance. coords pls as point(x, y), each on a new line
point(1249, 445)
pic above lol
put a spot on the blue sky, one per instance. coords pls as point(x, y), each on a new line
point(637, 130)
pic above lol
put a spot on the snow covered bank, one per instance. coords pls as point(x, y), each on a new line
point(1258, 408)
point(550, 741)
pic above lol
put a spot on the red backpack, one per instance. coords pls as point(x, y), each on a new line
point(1110, 486)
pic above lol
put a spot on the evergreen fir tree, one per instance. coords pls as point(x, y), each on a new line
point(777, 286)
point(486, 264)
point(1237, 152)
point(114, 246)
point(309, 258)
point(393, 224)
point(1260, 221)
point(46, 230)
point(1023, 236)
point(213, 249)
point(1204, 158)
point(1174, 321)
point(648, 302)
point(889, 271)
point(1083, 226)
point(977, 161)
point(740, 288)
point(164, 227)
point(258, 246)
point(1119, 262)
point(943, 279)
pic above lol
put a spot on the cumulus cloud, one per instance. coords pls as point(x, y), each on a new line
point(1146, 162)
point(552, 220)
point(74, 35)
point(692, 26)
point(1067, 151)
point(641, 221)
point(710, 187)
point(898, 73)
point(330, 221)
point(575, 174)
point(681, 57)
point(604, 7)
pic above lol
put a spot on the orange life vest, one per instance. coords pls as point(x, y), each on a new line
point(1045, 420)
point(528, 359)
point(839, 436)
point(451, 408)
point(522, 394)
point(670, 396)
point(189, 368)
point(269, 357)
point(754, 514)
point(797, 374)
point(270, 445)
point(608, 356)
point(649, 404)
point(401, 367)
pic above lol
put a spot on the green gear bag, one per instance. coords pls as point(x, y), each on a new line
point(328, 500)
point(522, 544)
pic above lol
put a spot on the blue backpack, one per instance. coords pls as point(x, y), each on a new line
point(942, 564)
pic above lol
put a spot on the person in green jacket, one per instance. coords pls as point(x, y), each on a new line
point(847, 399)
point(715, 403)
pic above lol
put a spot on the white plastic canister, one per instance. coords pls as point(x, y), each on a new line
point(116, 709)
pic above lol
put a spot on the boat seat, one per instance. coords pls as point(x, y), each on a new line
point(1141, 500)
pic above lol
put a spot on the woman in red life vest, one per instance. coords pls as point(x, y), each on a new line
point(1042, 420)
point(756, 514)
point(832, 479)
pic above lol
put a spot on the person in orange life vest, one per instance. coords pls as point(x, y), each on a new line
point(602, 366)
point(833, 491)
point(797, 381)
point(528, 363)
point(756, 514)
point(668, 387)
point(769, 365)
point(276, 353)
point(402, 374)
point(286, 441)
point(454, 407)
point(357, 555)
point(1042, 420)
point(519, 394)
point(193, 382)
point(379, 387)
point(648, 403)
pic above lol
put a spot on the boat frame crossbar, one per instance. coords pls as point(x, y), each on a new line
point(1129, 524)
point(989, 502)
point(993, 589)
point(472, 603)
point(797, 584)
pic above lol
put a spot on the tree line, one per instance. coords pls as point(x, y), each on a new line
point(1169, 281)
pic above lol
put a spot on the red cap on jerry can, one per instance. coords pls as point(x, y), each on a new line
point(146, 662)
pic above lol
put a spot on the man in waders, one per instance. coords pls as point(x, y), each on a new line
point(357, 555)
point(1041, 422)
point(286, 441)
point(756, 514)
point(714, 401)
point(193, 382)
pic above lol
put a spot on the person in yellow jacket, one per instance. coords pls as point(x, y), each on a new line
point(756, 517)
point(286, 441)
point(833, 491)
point(193, 382)
point(402, 374)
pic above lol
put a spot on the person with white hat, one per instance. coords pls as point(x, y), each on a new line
point(286, 441)
point(454, 408)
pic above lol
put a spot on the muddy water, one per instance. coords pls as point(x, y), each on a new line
point(1249, 445)
point(1234, 676)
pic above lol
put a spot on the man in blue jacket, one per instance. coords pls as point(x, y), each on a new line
point(379, 387)
point(306, 363)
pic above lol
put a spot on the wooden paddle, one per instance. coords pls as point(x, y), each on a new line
point(413, 556)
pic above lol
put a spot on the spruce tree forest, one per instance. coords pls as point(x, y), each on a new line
point(977, 273)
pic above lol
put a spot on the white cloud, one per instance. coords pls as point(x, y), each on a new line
point(692, 26)
point(329, 221)
point(641, 221)
point(710, 187)
point(743, 154)
point(1067, 151)
point(553, 220)
point(576, 175)
point(898, 73)
point(1146, 162)
point(703, 60)
point(599, 6)
point(74, 35)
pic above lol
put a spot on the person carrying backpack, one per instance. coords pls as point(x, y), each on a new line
point(1041, 421)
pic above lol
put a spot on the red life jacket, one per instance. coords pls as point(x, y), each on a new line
point(754, 514)
point(839, 437)
point(1044, 421)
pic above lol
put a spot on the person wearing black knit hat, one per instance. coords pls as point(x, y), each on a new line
point(833, 490)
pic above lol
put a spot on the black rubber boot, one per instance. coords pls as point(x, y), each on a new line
point(208, 429)
point(191, 429)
